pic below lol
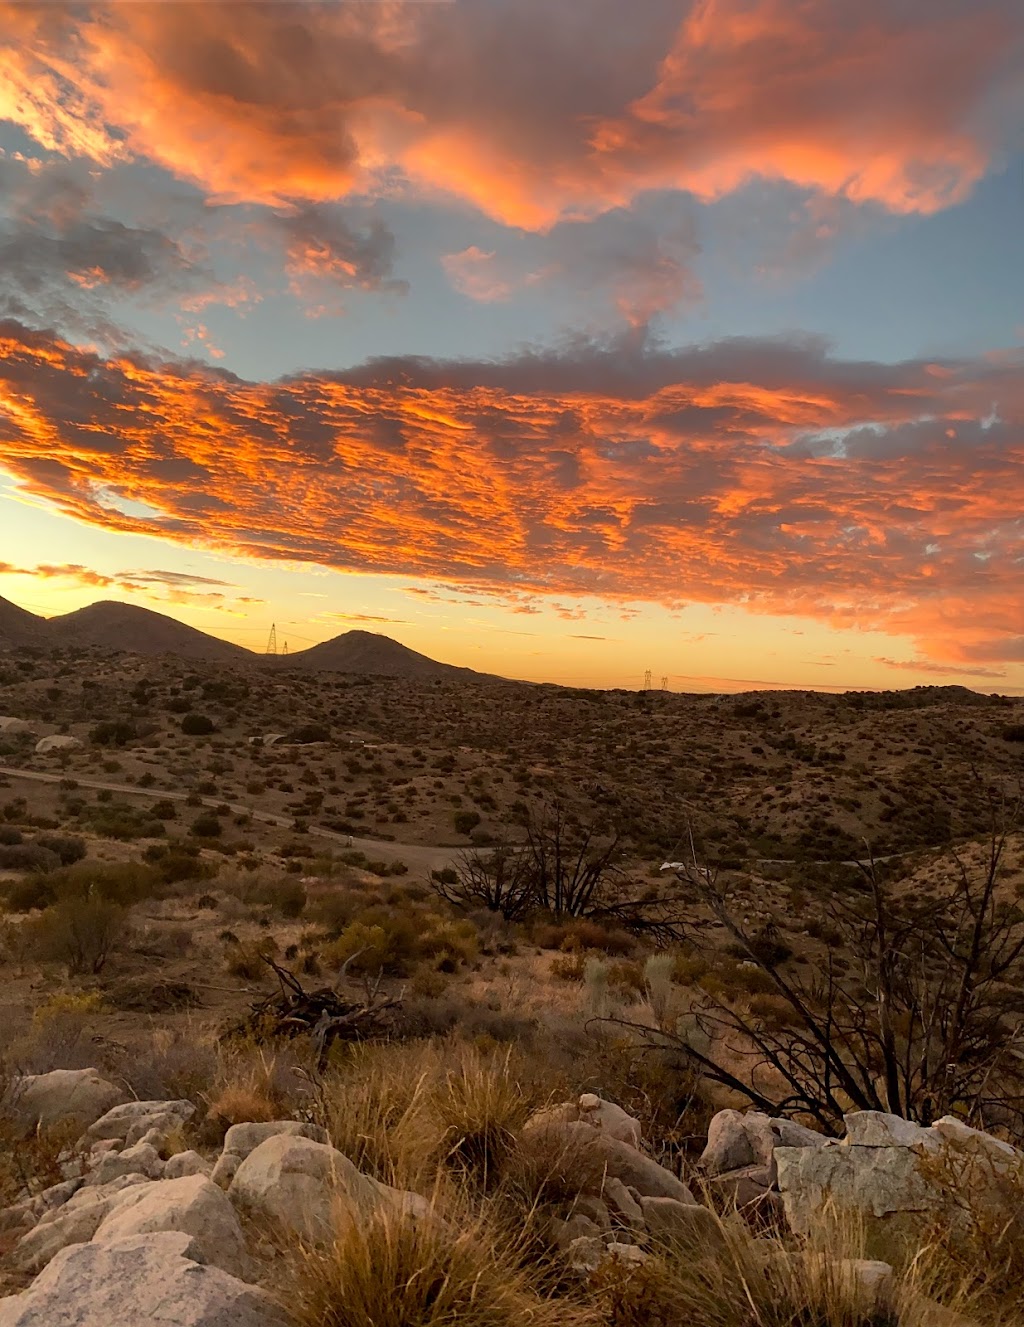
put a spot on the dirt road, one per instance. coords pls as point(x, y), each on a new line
point(423, 857)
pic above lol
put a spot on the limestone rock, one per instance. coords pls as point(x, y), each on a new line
point(145, 1281)
point(79, 1095)
point(876, 1181)
point(191, 1204)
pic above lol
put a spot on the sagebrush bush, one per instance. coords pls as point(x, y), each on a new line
point(79, 932)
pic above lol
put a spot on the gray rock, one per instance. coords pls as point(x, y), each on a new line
point(185, 1163)
point(305, 1187)
point(737, 1140)
point(620, 1160)
point(78, 1095)
point(688, 1225)
point(121, 1120)
point(191, 1204)
point(145, 1281)
point(142, 1159)
point(873, 1181)
point(874, 1128)
point(624, 1204)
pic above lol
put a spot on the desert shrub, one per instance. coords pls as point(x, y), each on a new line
point(247, 961)
point(123, 883)
point(28, 857)
point(465, 821)
point(9, 836)
point(177, 861)
point(113, 732)
point(197, 725)
point(79, 932)
point(165, 809)
point(70, 848)
point(206, 827)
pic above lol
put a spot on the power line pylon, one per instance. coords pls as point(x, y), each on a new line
point(664, 684)
point(647, 680)
point(284, 648)
point(272, 641)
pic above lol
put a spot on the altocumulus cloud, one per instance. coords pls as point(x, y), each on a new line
point(762, 473)
point(533, 113)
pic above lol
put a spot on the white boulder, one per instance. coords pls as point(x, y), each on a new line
point(191, 1204)
point(77, 1095)
point(306, 1187)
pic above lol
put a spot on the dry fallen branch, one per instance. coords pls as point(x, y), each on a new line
point(323, 1014)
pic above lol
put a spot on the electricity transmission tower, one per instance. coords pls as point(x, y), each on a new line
point(272, 641)
point(664, 684)
point(647, 680)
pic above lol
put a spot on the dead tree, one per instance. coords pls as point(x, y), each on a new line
point(917, 1008)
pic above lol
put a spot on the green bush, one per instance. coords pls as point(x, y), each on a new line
point(197, 725)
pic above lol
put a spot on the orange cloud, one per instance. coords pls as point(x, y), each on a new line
point(764, 474)
point(530, 116)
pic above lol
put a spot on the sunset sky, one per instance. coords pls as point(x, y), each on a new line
point(564, 339)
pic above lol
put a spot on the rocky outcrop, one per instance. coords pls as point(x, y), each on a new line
point(739, 1158)
point(241, 1139)
point(192, 1205)
point(138, 1282)
point(616, 1159)
point(894, 1174)
point(130, 1122)
point(79, 1096)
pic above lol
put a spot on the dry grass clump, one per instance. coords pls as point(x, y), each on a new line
point(730, 1279)
point(407, 1113)
point(253, 1084)
point(394, 1271)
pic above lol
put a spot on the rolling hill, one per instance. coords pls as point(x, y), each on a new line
point(20, 627)
point(110, 625)
point(370, 653)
